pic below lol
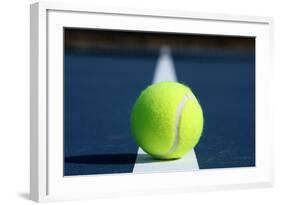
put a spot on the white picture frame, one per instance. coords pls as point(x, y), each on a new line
point(47, 182)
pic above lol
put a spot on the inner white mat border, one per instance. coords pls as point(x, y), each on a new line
point(97, 186)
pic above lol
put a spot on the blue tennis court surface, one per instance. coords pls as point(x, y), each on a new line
point(101, 86)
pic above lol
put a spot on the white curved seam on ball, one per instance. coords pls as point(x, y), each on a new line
point(177, 124)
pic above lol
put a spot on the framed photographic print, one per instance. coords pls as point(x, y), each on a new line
point(131, 101)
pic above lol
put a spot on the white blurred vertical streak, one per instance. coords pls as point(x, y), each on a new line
point(165, 71)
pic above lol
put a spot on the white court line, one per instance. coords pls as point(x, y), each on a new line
point(165, 71)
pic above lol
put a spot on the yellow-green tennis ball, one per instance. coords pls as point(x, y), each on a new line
point(167, 120)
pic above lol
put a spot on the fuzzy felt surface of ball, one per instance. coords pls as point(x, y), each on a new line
point(167, 120)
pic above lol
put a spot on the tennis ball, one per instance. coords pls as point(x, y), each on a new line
point(167, 120)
